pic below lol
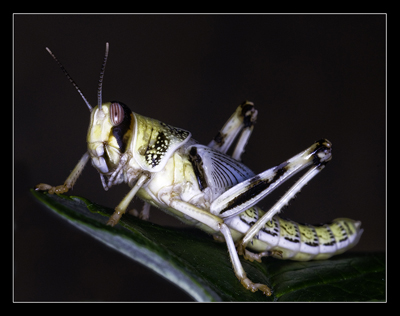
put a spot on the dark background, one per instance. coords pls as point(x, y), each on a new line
point(310, 76)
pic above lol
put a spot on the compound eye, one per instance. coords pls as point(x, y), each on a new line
point(116, 114)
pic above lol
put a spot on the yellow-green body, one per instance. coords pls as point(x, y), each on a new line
point(203, 186)
point(171, 173)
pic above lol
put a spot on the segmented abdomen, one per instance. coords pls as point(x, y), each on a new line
point(300, 242)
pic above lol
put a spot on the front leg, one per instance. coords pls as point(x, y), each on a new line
point(123, 205)
point(69, 183)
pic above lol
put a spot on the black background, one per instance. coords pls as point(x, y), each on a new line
point(310, 77)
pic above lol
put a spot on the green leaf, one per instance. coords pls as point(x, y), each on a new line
point(201, 266)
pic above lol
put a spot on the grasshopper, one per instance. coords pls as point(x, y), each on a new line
point(204, 186)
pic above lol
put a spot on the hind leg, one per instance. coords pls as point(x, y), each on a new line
point(241, 121)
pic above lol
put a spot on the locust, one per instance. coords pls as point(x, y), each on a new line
point(203, 186)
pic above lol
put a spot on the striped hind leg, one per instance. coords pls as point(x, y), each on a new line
point(241, 121)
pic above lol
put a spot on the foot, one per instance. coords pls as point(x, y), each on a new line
point(255, 286)
point(114, 219)
point(251, 256)
point(51, 190)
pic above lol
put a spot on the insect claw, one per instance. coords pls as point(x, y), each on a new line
point(265, 289)
point(276, 253)
point(254, 287)
point(43, 187)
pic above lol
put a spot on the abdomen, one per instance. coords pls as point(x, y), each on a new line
point(296, 241)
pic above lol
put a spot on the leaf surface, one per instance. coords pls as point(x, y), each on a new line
point(201, 266)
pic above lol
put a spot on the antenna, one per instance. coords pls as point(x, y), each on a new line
point(70, 79)
point(103, 67)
